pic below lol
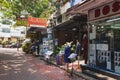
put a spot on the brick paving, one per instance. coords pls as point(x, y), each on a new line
point(15, 65)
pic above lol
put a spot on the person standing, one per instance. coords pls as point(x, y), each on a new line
point(32, 47)
point(78, 51)
point(37, 47)
point(77, 48)
point(66, 55)
point(84, 48)
point(18, 45)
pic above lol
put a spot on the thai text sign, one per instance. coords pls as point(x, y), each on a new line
point(37, 22)
point(106, 10)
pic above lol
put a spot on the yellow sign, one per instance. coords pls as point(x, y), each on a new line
point(22, 22)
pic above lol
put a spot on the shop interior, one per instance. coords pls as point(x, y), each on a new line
point(108, 32)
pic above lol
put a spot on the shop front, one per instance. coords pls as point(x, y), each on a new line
point(37, 31)
point(66, 32)
point(70, 30)
point(104, 36)
point(37, 25)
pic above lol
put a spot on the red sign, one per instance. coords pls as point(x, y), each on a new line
point(105, 10)
point(37, 22)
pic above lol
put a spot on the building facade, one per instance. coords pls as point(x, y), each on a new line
point(104, 36)
point(67, 26)
point(102, 31)
point(9, 33)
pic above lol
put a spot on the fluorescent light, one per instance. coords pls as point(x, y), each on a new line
point(98, 27)
point(74, 29)
point(115, 27)
point(102, 26)
point(93, 25)
point(111, 20)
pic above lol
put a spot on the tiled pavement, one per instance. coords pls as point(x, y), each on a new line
point(15, 65)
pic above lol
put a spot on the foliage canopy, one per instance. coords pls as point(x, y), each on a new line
point(35, 8)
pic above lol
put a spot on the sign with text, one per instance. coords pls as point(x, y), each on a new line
point(37, 22)
point(22, 22)
point(106, 10)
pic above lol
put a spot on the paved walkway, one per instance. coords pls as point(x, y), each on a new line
point(16, 65)
point(77, 69)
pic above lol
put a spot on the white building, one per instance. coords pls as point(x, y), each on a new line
point(6, 31)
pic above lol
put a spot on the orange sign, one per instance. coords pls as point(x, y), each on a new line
point(37, 21)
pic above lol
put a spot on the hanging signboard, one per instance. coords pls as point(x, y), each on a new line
point(22, 22)
point(105, 10)
point(37, 22)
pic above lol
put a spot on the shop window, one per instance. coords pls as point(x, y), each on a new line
point(102, 34)
point(117, 39)
point(107, 33)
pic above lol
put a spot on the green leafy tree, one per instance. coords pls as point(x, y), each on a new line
point(34, 7)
